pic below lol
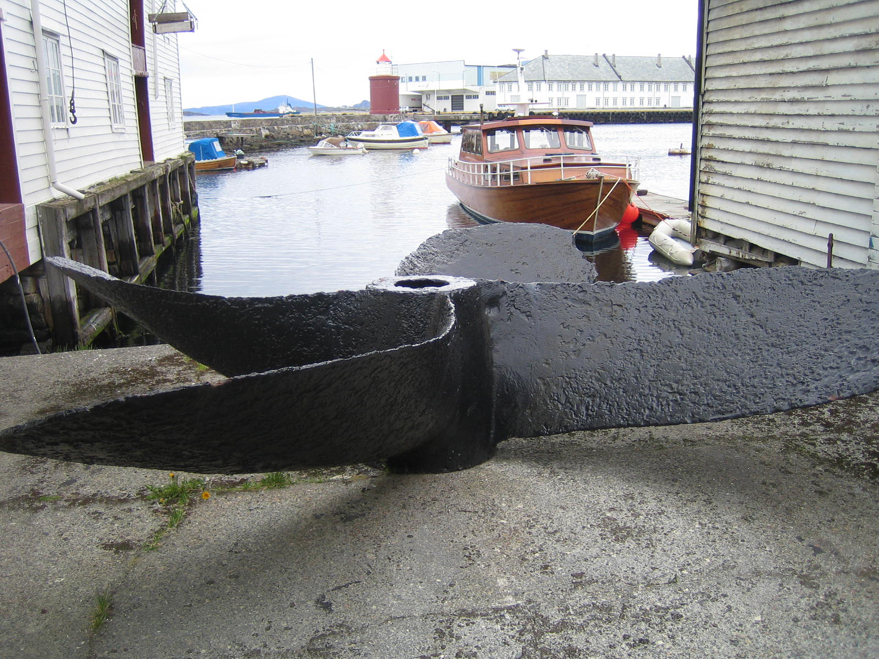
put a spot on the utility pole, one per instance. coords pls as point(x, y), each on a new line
point(314, 98)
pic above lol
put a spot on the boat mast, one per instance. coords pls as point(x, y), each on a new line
point(521, 108)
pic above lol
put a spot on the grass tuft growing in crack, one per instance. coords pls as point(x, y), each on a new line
point(174, 497)
point(102, 608)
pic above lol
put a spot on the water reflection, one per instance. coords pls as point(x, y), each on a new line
point(306, 224)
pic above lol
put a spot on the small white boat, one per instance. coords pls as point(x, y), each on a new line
point(404, 135)
point(336, 146)
point(436, 134)
point(671, 238)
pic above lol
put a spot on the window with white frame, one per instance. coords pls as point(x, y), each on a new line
point(54, 78)
point(684, 85)
point(590, 86)
point(114, 91)
point(530, 86)
point(549, 86)
point(537, 87)
point(169, 101)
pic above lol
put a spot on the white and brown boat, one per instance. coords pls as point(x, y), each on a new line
point(544, 170)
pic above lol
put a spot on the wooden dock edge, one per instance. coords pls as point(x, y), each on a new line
point(121, 227)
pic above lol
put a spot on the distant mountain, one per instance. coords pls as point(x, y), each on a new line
point(267, 104)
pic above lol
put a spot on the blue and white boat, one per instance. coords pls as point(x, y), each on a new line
point(209, 155)
point(404, 135)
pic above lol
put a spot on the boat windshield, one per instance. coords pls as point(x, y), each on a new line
point(540, 138)
point(501, 139)
point(471, 142)
point(578, 138)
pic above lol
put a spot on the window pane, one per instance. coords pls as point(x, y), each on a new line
point(502, 140)
point(54, 80)
point(114, 90)
point(540, 138)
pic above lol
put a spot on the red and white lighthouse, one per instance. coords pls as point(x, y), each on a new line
point(384, 88)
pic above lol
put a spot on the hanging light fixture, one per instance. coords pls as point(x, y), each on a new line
point(168, 22)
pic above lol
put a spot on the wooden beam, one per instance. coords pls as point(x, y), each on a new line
point(143, 230)
point(126, 240)
point(62, 290)
point(94, 251)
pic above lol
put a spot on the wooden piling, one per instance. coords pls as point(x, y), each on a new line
point(122, 227)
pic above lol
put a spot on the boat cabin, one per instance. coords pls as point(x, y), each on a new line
point(526, 137)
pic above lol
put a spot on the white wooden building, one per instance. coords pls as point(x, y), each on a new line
point(93, 164)
point(111, 104)
point(449, 86)
point(568, 82)
point(788, 131)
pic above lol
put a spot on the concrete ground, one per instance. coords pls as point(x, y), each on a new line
point(753, 537)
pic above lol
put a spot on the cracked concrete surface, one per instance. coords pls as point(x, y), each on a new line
point(744, 538)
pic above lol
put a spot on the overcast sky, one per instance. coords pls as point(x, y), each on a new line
point(247, 51)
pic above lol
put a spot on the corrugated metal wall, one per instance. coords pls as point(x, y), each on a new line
point(788, 141)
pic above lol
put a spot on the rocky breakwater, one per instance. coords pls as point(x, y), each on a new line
point(258, 134)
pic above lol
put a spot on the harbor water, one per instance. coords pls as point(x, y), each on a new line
point(305, 223)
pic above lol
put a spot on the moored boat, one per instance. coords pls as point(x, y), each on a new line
point(209, 155)
point(336, 146)
point(404, 135)
point(284, 110)
point(544, 170)
point(435, 133)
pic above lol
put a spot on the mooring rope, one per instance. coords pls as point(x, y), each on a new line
point(616, 183)
point(338, 187)
point(27, 316)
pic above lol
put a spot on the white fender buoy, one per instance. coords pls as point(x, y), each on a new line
point(671, 238)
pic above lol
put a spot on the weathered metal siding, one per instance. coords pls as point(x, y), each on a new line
point(787, 142)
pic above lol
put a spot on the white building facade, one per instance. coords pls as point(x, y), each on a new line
point(450, 86)
point(571, 82)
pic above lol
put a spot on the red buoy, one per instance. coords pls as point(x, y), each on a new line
point(630, 215)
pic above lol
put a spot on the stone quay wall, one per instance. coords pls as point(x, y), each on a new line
point(258, 134)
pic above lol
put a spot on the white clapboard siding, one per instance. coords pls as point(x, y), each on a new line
point(787, 143)
point(163, 56)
